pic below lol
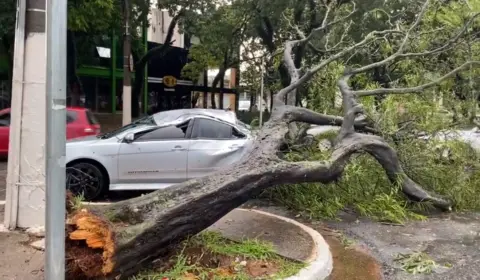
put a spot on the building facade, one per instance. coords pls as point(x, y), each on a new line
point(100, 72)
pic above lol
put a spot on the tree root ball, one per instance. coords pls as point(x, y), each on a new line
point(90, 246)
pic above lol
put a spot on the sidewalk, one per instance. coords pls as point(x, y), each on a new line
point(19, 261)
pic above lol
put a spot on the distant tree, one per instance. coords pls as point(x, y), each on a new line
point(126, 235)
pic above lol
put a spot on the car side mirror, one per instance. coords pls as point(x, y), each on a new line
point(129, 138)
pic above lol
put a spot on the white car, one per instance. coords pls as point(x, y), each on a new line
point(156, 152)
point(470, 137)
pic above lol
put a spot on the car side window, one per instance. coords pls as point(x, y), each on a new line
point(91, 118)
point(164, 133)
point(5, 119)
point(71, 116)
point(211, 129)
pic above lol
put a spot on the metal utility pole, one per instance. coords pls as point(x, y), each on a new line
point(55, 139)
point(261, 96)
point(127, 66)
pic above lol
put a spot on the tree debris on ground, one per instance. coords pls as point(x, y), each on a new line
point(115, 242)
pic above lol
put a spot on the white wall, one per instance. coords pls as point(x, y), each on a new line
point(158, 29)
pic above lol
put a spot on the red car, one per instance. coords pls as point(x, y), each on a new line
point(80, 122)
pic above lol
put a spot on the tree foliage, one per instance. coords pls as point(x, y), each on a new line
point(91, 16)
point(7, 18)
point(451, 104)
point(376, 162)
point(221, 33)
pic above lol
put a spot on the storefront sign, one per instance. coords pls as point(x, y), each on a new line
point(169, 81)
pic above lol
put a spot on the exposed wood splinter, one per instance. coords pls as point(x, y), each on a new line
point(97, 235)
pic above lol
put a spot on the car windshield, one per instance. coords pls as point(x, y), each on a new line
point(147, 120)
point(242, 124)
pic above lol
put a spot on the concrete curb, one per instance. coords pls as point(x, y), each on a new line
point(320, 262)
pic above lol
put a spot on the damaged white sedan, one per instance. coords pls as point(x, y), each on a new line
point(156, 151)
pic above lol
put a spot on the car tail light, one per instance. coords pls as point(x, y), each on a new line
point(88, 130)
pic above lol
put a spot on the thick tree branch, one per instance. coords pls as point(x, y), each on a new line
point(402, 44)
point(329, 171)
point(289, 60)
point(313, 23)
point(154, 52)
point(326, 24)
point(266, 32)
point(378, 148)
point(304, 115)
point(417, 89)
point(372, 36)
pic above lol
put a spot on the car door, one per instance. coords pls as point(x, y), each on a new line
point(213, 145)
point(158, 155)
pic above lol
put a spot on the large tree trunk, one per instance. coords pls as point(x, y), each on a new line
point(143, 62)
point(216, 81)
point(74, 86)
point(127, 75)
point(7, 42)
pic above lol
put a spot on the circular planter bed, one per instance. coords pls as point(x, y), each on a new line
point(210, 256)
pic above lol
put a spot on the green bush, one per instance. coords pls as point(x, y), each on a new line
point(365, 188)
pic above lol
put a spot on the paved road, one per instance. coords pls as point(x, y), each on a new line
point(451, 239)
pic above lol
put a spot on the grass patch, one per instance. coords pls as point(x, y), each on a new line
point(77, 201)
point(416, 263)
point(249, 248)
point(209, 256)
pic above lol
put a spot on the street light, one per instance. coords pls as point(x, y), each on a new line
point(55, 139)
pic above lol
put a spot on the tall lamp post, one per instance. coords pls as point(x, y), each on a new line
point(55, 139)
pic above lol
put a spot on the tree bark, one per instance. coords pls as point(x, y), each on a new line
point(7, 42)
point(127, 75)
point(216, 81)
point(74, 86)
point(253, 102)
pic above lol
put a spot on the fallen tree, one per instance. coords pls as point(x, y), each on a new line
point(116, 241)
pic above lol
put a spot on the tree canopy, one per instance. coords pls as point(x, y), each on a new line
point(383, 75)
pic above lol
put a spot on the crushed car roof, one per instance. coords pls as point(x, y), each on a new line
point(172, 115)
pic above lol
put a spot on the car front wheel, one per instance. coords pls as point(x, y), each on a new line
point(85, 179)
